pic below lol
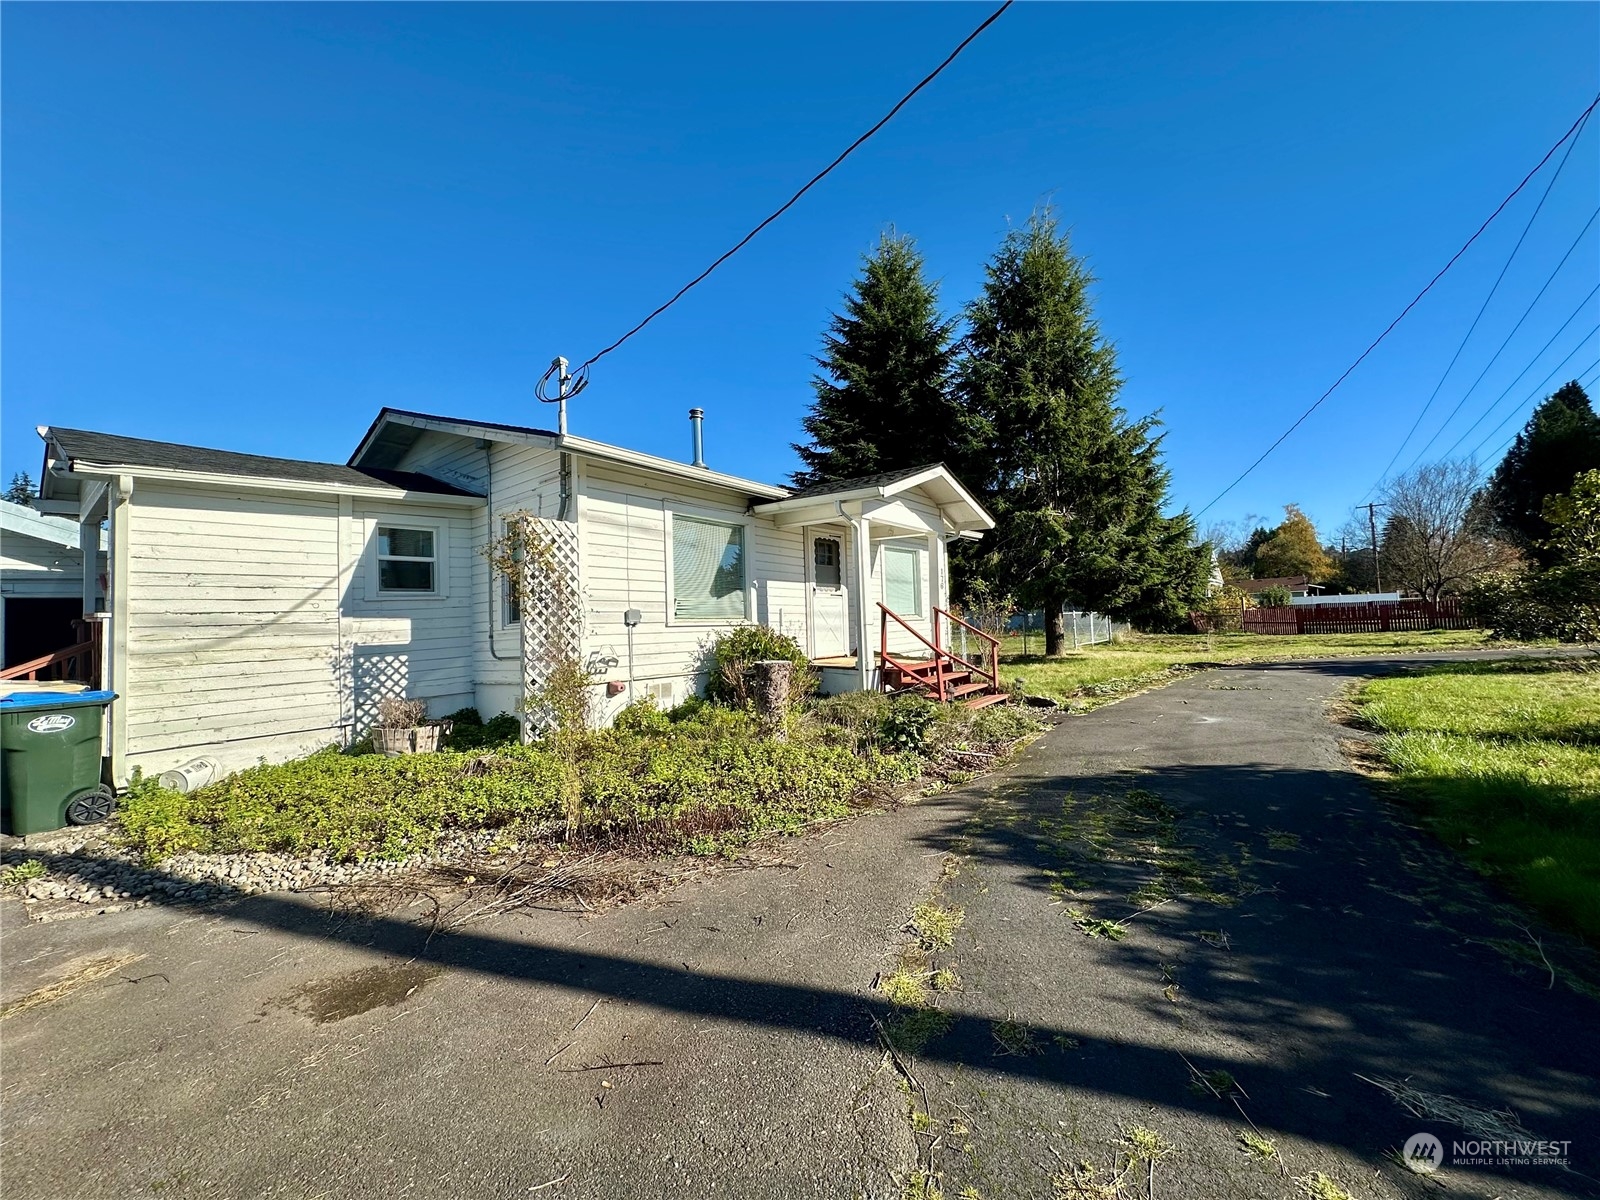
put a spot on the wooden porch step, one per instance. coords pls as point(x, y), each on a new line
point(985, 700)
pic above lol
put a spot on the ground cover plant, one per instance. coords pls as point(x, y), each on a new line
point(1094, 675)
point(1502, 760)
point(702, 779)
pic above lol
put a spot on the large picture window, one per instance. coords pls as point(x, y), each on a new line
point(707, 570)
point(902, 580)
point(406, 559)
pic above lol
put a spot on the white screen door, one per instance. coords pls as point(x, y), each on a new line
point(830, 607)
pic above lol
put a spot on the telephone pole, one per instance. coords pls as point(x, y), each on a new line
point(1372, 524)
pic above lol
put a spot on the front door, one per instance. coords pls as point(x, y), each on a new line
point(830, 606)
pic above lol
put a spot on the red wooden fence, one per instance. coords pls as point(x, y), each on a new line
point(1381, 617)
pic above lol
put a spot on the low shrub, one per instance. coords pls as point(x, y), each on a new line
point(469, 731)
point(700, 783)
point(729, 658)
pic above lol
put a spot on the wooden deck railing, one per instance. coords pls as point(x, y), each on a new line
point(79, 663)
point(941, 654)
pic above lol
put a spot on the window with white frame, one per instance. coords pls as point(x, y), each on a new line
point(902, 580)
point(407, 560)
point(708, 570)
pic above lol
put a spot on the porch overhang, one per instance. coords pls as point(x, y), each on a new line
point(883, 501)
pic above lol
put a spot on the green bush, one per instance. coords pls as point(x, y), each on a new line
point(1274, 597)
point(729, 658)
point(469, 731)
point(705, 781)
point(642, 716)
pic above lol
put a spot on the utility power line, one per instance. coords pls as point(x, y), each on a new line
point(1531, 362)
point(1415, 300)
point(811, 183)
point(1445, 424)
point(1536, 394)
point(1484, 307)
point(1501, 449)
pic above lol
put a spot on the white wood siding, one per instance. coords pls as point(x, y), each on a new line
point(625, 564)
point(250, 634)
point(232, 625)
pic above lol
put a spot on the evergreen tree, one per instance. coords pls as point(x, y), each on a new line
point(883, 398)
point(1076, 487)
point(1560, 441)
point(22, 489)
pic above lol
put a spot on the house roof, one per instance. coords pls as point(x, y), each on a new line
point(880, 480)
point(19, 520)
point(83, 447)
point(1291, 582)
point(957, 505)
point(396, 430)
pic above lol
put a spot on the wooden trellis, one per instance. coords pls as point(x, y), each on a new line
point(552, 612)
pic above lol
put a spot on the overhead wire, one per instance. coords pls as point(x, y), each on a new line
point(1415, 300)
point(811, 183)
point(1531, 363)
point(1538, 393)
point(1484, 307)
point(1501, 448)
point(1445, 424)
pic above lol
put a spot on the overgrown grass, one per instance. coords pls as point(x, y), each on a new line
point(1503, 761)
point(1098, 674)
point(703, 783)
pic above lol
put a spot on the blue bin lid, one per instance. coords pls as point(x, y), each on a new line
point(54, 699)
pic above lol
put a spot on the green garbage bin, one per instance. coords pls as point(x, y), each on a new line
point(50, 760)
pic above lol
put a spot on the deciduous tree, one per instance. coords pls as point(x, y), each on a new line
point(1434, 542)
point(1293, 549)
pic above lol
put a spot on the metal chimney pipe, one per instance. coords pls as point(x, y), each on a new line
point(697, 418)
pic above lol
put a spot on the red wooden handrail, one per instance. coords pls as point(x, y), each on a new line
point(993, 672)
point(80, 662)
point(940, 653)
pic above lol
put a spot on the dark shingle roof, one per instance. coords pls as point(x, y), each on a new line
point(881, 479)
point(109, 448)
point(1275, 581)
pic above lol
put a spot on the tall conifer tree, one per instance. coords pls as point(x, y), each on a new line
point(883, 395)
point(1077, 488)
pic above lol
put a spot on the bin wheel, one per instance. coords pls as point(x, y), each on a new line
point(91, 807)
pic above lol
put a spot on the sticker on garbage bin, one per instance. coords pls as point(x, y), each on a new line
point(54, 723)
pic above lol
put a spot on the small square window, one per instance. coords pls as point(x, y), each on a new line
point(825, 561)
point(406, 559)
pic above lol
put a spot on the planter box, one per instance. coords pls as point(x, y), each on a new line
point(419, 739)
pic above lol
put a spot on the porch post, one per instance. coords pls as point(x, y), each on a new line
point(89, 553)
point(866, 610)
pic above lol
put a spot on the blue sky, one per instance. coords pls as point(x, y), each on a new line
point(251, 226)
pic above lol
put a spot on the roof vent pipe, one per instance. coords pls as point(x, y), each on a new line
point(697, 418)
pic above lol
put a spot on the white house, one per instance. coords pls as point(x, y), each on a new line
point(261, 607)
point(43, 586)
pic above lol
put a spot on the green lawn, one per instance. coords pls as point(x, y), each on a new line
point(1503, 761)
point(1095, 674)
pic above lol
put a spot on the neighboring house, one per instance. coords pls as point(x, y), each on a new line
point(261, 607)
point(1296, 585)
point(43, 586)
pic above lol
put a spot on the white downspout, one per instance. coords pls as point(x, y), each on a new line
point(117, 673)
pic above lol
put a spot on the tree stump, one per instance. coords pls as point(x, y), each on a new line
point(770, 682)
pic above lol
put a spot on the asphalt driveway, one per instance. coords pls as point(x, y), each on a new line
point(720, 1039)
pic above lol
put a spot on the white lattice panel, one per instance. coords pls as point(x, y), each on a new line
point(552, 611)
